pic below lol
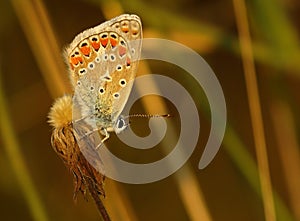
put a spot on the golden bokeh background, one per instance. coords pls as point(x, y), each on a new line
point(245, 181)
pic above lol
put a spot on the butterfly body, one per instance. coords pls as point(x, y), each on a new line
point(102, 64)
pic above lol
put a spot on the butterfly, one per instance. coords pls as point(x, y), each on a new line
point(103, 61)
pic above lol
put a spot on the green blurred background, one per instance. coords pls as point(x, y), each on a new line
point(35, 184)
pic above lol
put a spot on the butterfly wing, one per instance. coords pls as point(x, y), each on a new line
point(103, 62)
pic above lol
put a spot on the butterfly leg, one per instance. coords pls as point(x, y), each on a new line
point(106, 134)
point(88, 133)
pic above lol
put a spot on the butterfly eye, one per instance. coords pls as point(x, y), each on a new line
point(120, 125)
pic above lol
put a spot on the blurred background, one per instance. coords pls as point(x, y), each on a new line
point(35, 184)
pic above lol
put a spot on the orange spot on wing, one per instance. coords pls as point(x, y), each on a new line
point(125, 29)
point(128, 61)
point(74, 61)
point(104, 41)
point(96, 45)
point(75, 58)
point(80, 59)
point(122, 51)
point(85, 50)
point(135, 32)
point(113, 42)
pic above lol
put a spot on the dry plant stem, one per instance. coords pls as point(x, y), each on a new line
point(36, 25)
point(288, 148)
point(98, 201)
point(255, 109)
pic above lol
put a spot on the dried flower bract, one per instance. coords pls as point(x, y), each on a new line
point(63, 141)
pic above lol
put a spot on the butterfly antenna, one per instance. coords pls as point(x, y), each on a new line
point(149, 115)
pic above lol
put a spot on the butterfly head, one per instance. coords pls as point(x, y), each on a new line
point(120, 124)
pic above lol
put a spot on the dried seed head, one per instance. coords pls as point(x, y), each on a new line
point(63, 141)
